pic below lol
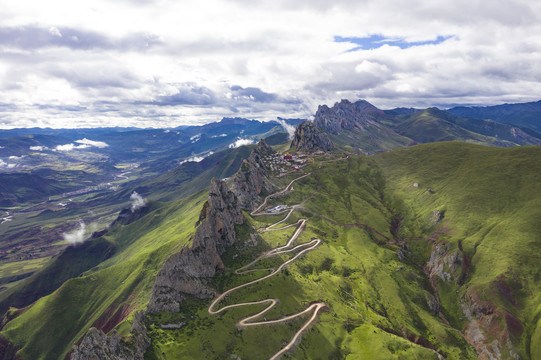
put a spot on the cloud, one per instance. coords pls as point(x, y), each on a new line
point(188, 94)
point(241, 142)
point(196, 158)
point(137, 201)
point(38, 148)
point(76, 236)
point(289, 128)
point(31, 37)
point(84, 143)
point(85, 66)
point(98, 144)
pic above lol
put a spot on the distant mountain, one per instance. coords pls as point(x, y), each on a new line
point(358, 125)
point(521, 114)
point(433, 125)
point(401, 111)
point(361, 125)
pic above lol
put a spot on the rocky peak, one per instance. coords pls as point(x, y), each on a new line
point(188, 271)
point(252, 178)
point(347, 115)
point(308, 138)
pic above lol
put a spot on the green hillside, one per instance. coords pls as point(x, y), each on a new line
point(430, 126)
point(109, 292)
point(491, 201)
point(398, 267)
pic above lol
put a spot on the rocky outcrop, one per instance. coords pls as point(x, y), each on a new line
point(346, 115)
point(444, 263)
point(490, 336)
point(251, 181)
point(98, 345)
point(308, 138)
point(188, 271)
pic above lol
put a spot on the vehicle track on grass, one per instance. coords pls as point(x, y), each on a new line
point(300, 250)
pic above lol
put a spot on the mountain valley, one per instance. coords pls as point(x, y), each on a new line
point(369, 234)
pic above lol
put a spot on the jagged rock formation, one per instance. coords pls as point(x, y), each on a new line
point(444, 263)
point(485, 330)
point(308, 138)
point(346, 115)
point(187, 271)
point(251, 180)
point(97, 345)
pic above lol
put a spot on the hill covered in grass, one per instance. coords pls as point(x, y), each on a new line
point(428, 251)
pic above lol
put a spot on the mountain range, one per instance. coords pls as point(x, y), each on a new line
point(401, 234)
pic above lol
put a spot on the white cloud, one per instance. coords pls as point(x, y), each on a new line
point(177, 64)
point(137, 201)
point(38, 148)
point(289, 128)
point(221, 135)
point(76, 236)
point(196, 158)
point(241, 142)
point(68, 147)
point(98, 144)
point(84, 143)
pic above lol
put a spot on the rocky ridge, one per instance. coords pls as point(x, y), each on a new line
point(251, 180)
point(187, 271)
point(308, 138)
point(346, 115)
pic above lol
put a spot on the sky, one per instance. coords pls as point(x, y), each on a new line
point(161, 63)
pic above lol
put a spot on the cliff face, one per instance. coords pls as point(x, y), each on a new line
point(187, 271)
point(97, 345)
point(251, 180)
point(308, 138)
point(347, 115)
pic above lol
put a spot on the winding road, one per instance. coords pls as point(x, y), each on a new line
point(314, 309)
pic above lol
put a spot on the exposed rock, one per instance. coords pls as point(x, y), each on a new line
point(436, 216)
point(97, 345)
point(484, 330)
point(251, 180)
point(188, 271)
point(308, 138)
point(444, 263)
point(346, 115)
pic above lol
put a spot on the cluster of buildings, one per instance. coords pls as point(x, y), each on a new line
point(285, 162)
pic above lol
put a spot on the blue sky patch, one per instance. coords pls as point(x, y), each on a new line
point(377, 41)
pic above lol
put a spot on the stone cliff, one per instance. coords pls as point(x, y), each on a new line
point(346, 115)
point(308, 138)
point(251, 181)
point(97, 345)
point(187, 271)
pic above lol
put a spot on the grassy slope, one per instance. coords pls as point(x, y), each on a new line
point(492, 205)
point(50, 327)
point(378, 306)
point(433, 125)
